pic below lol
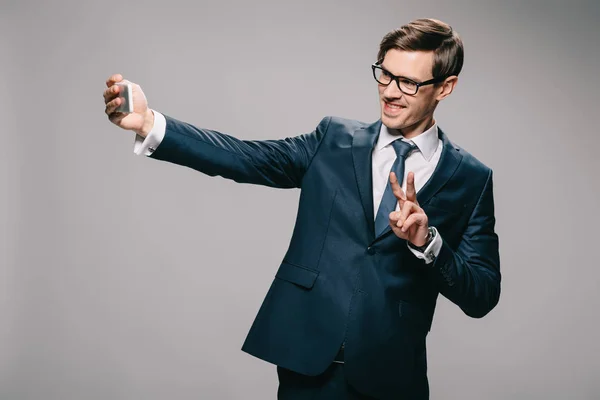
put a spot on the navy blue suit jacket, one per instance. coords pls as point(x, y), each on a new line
point(338, 282)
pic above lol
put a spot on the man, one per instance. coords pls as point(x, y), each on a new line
point(349, 309)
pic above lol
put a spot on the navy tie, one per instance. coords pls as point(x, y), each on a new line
point(388, 200)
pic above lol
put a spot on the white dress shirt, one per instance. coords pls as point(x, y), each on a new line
point(422, 163)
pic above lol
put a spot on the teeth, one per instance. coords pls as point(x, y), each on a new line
point(393, 106)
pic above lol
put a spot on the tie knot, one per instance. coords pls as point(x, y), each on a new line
point(402, 148)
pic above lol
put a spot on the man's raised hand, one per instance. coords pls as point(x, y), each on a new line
point(141, 120)
point(410, 222)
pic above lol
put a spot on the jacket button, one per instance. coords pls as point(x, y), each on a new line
point(371, 250)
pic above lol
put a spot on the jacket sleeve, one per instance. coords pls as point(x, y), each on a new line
point(470, 275)
point(275, 163)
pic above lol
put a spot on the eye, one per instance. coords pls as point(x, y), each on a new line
point(408, 84)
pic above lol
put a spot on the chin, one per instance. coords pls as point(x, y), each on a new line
point(392, 122)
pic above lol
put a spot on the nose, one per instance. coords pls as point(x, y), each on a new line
point(392, 90)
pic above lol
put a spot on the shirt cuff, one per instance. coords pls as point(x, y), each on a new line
point(147, 146)
point(432, 251)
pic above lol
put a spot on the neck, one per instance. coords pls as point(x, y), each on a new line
point(415, 130)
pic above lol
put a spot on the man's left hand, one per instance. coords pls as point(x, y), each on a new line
point(410, 222)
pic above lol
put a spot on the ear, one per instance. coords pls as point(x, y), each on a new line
point(447, 87)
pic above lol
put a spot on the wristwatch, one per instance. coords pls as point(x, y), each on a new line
point(430, 236)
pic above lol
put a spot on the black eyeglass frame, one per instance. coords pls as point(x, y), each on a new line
point(397, 79)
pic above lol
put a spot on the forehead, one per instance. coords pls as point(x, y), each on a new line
point(410, 64)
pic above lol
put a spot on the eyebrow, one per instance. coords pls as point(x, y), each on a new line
point(412, 78)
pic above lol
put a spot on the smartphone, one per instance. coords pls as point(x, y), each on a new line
point(126, 95)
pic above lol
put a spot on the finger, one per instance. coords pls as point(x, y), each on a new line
point(111, 93)
point(394, 225)
point(397, 189)
point(114, 79)
point(394, 217)
point(407, 209)
point(398, 232)
point(112, 105)
point(411, 193)
point(413, 219)
point(116, 117)
point(399, 217)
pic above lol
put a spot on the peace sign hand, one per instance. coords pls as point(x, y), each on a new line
point(410, 222)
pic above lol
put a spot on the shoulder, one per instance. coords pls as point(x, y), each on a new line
point(339, 124)
point(469, 162)
point(472, 172)
point(473, 163)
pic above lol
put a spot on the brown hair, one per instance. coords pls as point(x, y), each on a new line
point(427, 34)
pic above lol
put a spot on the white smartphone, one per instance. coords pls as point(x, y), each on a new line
point(126, 95)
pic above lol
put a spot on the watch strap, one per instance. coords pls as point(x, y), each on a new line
point(430, 237)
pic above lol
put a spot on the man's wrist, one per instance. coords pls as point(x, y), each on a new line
point(428, 239)
point(431, 250)
point(148, 124)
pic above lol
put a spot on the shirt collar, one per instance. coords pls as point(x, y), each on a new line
point(427, 142)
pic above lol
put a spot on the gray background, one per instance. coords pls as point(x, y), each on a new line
point(126, 278)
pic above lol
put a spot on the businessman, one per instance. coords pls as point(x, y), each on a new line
point(391, 214)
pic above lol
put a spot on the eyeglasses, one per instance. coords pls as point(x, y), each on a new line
point(406, 86)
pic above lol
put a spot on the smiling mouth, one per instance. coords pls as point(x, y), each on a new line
point(391, 108)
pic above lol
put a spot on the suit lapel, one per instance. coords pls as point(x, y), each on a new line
point(362, 154)
point(449, 161)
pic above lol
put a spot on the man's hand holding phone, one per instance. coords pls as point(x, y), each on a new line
point(126, 106)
